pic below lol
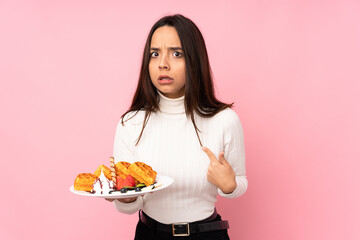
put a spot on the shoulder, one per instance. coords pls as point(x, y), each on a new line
point(227, 115)
point(129, 126)
point(132, 118)
point(229, 119)
point(130, 123)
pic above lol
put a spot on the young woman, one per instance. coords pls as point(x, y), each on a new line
point(176, 125)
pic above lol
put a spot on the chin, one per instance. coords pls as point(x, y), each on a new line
point(174, 93)
point(166, 90)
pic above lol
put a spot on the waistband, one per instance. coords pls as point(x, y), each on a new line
point(185, 228)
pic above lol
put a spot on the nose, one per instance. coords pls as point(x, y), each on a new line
point(164, 63)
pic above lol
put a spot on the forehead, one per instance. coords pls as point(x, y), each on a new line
point(166, 35)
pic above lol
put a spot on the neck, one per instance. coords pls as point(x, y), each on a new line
point(171, 105)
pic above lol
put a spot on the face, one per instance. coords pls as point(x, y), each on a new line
point(167, 62)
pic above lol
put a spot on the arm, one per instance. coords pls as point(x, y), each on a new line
point(235, 153)
point(123, 151)
point(129, 207)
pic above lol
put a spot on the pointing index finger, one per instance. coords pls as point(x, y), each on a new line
point(210, 154)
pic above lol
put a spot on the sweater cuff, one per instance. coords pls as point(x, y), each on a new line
point(241, 187)
point(129, 208)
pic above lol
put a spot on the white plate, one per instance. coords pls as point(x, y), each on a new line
point(162, 182)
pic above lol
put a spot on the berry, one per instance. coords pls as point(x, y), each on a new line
point(129, 181)
point(119, 182)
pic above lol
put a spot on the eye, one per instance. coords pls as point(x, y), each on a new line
point(154, 54)
point(177, 54)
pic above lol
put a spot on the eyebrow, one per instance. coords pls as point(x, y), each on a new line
point(171, 48)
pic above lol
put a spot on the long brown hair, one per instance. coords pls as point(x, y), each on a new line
point(199, 89)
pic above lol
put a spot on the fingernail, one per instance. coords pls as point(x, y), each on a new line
point(204, 148)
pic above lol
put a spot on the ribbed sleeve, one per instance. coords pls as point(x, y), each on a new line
point(129, 208)
point(122, 143)
point(123, 151)
point(234, 150)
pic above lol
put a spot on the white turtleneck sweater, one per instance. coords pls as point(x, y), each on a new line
point(169, 144)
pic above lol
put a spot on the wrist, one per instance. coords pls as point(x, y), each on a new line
point(229, 188)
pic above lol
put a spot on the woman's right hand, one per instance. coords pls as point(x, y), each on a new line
point(123, 200)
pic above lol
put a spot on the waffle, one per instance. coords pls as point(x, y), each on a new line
point(121, 169)
point(84, 182)
point(142, 173)
point(106, 171)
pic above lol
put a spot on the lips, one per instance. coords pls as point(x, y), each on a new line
point(164, 79)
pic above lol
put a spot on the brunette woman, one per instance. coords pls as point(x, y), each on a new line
point(177, 125)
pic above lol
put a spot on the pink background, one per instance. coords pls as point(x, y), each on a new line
point(68, 70)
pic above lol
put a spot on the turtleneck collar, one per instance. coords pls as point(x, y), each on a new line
point(171, 105)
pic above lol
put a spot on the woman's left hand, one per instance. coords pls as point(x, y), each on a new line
point(220, 173)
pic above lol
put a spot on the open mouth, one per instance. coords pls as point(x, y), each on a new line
point(164, 79)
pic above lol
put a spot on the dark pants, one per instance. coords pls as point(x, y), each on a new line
point(143, 232)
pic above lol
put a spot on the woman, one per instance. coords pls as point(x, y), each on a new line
point(176, 125)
